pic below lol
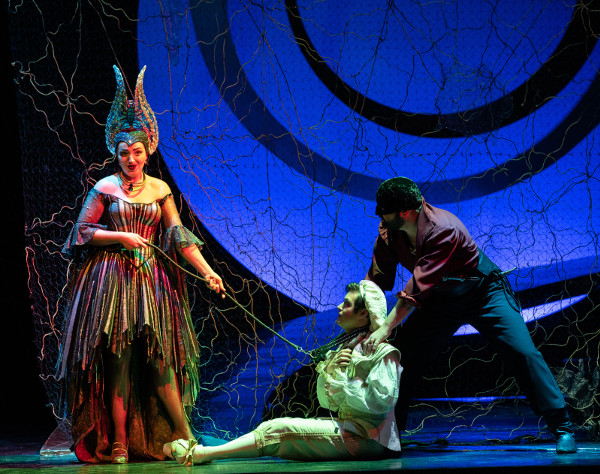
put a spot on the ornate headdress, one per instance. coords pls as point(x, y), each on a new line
point(131, 121)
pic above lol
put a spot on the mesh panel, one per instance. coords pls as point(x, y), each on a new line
point(278, 121)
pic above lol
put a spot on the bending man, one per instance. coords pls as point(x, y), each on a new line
point(452, 283)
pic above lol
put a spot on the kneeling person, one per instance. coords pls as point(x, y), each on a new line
point(360, 391)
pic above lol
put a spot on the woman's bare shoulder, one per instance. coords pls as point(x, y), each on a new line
point(160, 189)
point(107, 185)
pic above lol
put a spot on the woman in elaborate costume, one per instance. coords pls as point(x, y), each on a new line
point(129, 353)
point(359, 390)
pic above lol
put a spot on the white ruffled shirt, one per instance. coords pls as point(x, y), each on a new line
point(364, 394)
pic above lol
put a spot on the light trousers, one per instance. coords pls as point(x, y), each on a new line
point(313, 439)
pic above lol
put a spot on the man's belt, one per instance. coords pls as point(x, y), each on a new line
point(494, 275)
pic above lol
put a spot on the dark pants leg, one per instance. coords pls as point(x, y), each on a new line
point(501, 323)
point(420, 339)
point(491, 309)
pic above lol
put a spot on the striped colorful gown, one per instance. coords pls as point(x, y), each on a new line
point(120, 299)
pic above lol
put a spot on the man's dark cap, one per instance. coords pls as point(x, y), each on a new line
point(397, 194)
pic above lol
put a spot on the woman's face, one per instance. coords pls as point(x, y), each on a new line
point(132, 159)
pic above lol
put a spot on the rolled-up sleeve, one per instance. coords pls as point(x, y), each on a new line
point(376, 395)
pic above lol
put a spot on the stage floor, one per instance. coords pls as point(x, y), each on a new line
point(537, 456)
point(501, 441)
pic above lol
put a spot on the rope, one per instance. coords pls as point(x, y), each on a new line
point(239, 305)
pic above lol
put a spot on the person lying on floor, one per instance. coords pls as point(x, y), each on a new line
point(360, 391)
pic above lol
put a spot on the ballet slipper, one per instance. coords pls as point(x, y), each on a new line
point(168, 447)
point(182, 451)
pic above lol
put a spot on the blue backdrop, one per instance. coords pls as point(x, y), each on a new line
point(278, 120)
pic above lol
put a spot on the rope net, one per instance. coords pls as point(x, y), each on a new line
point(278, 119)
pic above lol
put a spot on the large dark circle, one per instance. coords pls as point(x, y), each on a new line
point(566, 60)
point(217, 47)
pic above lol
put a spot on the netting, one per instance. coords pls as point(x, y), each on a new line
point(278, 120)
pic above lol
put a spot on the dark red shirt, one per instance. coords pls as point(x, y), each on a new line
point(444, 249)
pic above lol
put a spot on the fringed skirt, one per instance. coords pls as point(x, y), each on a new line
point(126, 301)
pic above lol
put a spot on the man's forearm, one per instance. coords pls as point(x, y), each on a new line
point(398, 314)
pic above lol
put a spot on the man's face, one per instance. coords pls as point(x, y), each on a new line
point(394, 220)
point(348, 317)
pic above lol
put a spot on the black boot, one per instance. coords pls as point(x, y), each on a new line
point(565, 439)
point(559, 423)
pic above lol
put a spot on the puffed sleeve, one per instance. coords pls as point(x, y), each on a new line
point(177, 236)
point(326, 399)
point(87, 223)
point(377, 394)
